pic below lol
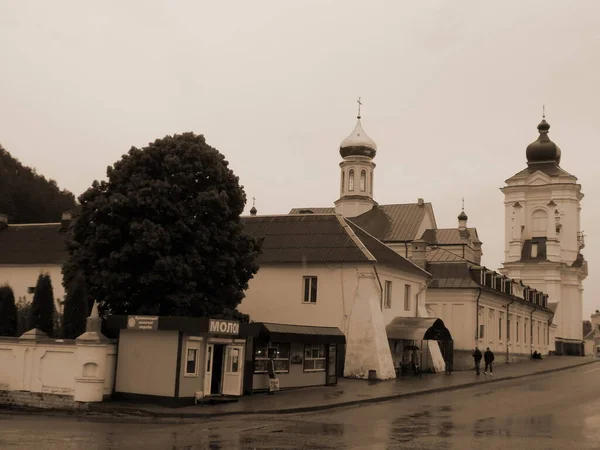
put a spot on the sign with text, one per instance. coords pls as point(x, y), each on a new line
point(142, 323)
point(228, 327)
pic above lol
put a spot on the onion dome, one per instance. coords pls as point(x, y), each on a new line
point(358, 143)
point(463, 216)
point(543, 150)
point(253, 211)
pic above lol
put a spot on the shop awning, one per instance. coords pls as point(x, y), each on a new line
point(298, 333)
point(418, 329)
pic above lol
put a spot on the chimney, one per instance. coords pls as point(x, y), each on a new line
point(65, 221)
point(419, 253)
point(420, 202)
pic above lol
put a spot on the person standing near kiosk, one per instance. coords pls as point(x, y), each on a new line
point(273, 380)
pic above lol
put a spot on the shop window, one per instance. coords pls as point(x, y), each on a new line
point(387, 295)
point(407, 297)
point(191, 362)
point(281, 360)
point(310, 290)
point(314, 358)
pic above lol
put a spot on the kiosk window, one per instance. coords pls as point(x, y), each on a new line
point(233, 362)
point(314, 358)
point(191, 364)
point(281, 360)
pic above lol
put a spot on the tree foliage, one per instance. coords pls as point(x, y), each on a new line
point(75, 308)
point(27, 197)
point(8, 312)
point(23, 316)
point(162, 235)
point(42, 306)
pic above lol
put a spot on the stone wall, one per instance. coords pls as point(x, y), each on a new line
point(39, 372)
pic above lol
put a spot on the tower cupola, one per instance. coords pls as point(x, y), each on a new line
point(358, 143)
point(543, 150)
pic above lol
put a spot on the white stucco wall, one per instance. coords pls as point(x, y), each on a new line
point(20, 277)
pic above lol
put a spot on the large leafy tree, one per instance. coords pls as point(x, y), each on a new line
point(42, 306)
point(8, 312)
point(162, 235)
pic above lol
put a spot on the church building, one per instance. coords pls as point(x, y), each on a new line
point(544, 240)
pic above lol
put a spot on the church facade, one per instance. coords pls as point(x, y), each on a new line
point(543, 236)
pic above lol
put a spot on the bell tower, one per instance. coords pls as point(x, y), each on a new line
point(356, 172)
point(543, 236)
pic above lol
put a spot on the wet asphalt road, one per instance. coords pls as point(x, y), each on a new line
point(555, 411)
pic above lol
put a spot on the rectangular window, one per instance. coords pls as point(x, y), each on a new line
point(499, 328)
point(233, 360)
point(387, 295)
point(534, 249)
point(517, 331)
point(314, 358)
point(310, 290)
point(191, 362)
point(407, 297)
point(281, 360)
point(481, 330)
point(525, 332)
point(507, 329)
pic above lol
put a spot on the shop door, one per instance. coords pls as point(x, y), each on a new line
point(232, 377)
point(332, 364)
point(210, 350)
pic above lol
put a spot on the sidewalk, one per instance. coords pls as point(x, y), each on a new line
point(346, 393)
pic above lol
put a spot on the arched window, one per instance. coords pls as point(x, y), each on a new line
point(351, 180)
point(371, 183)
point(539, 223)
point(343, 180)
point(363, 180)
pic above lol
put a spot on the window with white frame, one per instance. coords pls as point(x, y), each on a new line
point(481, 331)
point(314, 358)
point(192, 364)
point(363, 180)
point(281, 360)
point(351, 180)
point(539, 222)
point(407, 297)
point(387, 294)
point(310, 290)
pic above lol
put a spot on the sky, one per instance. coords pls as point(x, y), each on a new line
point(452, 93)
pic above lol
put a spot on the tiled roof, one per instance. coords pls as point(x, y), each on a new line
point(382, 253)
point(33, 244)
point(550, 169)
point(452, 275)
point(450, 236)
point(320, 238)
point(399, 222)
point(303, 238)
point(313, 210)
point(437, 254)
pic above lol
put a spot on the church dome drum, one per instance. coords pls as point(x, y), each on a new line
point(543, 150)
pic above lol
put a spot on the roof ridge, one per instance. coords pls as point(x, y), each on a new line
point(360, 244)
point(388, 247)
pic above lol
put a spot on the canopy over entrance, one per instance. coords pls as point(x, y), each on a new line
point(418, 329)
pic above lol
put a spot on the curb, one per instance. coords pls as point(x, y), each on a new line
point(141, 413)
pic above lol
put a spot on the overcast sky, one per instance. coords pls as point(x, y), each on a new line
point(452, 93)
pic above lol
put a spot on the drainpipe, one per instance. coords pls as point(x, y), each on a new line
point(477, 319)
point(531, 333)
point(508, 336)
point(380, 287)
point(405, 249)
point(419, 294)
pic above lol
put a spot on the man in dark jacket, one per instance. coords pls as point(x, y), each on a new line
point(477, 359)
point(488, 357)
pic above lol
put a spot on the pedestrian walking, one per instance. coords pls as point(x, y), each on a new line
point(477, 358)
point(273, 381)
point(488, 357)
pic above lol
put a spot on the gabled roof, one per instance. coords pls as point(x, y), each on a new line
point(320, 238)
point(592, 334)
point(550, 169)
point(33, 244)
point(388, 223)
point(452, 275)
point(451, 236)
point(439, 255)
